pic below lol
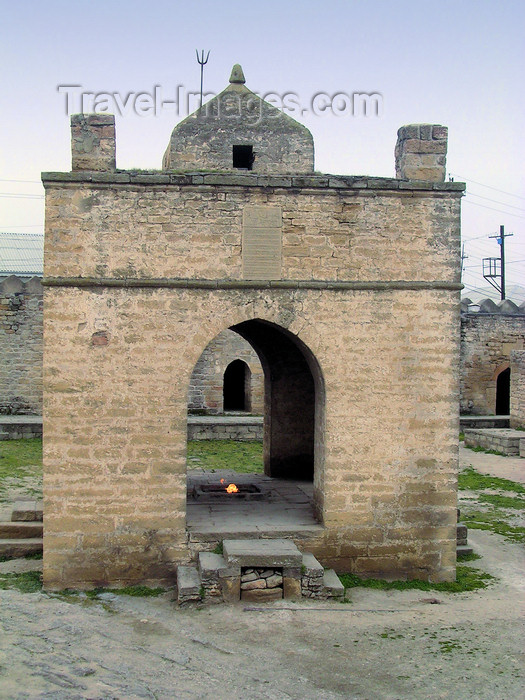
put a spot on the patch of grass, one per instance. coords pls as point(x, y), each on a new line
point(461, 437)
point(240, 456)
point(493, 521)
point(26, 582)
point(20, 460)
point(20, 457)
point(218, 549)
point(137, 591)
point(467, 579)
point(35, 555)
point(478, 448)
point(472, 480)
point(471, 556)
point(499, 501)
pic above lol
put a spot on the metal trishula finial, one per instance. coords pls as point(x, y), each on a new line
point(202, 62)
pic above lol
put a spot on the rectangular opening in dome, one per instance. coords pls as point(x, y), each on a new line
point(243, 157)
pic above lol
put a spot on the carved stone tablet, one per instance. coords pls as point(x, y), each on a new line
point(261, 242)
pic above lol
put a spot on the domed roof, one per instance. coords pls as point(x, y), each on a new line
point(238, 130)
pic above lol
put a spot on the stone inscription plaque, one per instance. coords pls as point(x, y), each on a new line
point(261, 242)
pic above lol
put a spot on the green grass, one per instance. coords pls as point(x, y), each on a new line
point(478, 448)
point(20, 460)
point(26, 582)
point(471, 556)
point(494, 521)
point(472, 480)
point(20, 457)
point(494, 512)
point(467, 579)
point(240, 456)
point(137, 591)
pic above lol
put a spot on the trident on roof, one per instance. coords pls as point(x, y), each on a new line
point(202, 62)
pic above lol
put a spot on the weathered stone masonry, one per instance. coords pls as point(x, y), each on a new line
point(359, 335)
point(21, 345)
point(488, 337)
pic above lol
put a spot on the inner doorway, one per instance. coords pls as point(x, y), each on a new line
point(236, 387)
point(503, 393)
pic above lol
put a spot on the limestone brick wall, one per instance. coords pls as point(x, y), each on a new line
point(21, 345)
point(487, 339)
point(142, 273)
point(206, 385)
point(517, 389)
point(176, 226)
point(386, 449)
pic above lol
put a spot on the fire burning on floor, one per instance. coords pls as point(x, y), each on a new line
point(231, 488)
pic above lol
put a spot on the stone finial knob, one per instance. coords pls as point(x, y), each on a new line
point(237, 75)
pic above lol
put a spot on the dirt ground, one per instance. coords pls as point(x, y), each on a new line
point(382, 645)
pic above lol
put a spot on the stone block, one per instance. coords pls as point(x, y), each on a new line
point(93, 142)
point(29, 511)
point(261, 553)
point(311, 567)
point(291, 587)
point(262, 595)
point(188, 584)
point(332, 585)
point(231, 589)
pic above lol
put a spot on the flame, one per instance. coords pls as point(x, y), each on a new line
point(231, 488)
point(222, 481)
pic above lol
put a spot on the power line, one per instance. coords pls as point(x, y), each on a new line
point(489, 187)
point(500, 211)
point(472, 194)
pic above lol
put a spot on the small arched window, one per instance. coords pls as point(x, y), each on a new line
point(237, 387)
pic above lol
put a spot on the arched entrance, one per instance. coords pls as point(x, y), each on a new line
point(503, 393)
point(294, 400)
point(293, 444)
point(236, 387)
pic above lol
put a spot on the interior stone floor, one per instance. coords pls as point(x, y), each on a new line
point(285, 509)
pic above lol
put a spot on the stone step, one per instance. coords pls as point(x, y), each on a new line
point(461, 534)
point(15, 548)
point(260, 553)
point(27, 511)
point(463, 550)
point(188, 584)
point(332, 585)
point(20, 530)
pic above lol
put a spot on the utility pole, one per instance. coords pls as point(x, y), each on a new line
point(463, 256)
point(495, 267)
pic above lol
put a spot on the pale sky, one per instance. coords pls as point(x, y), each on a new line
point(453, 62)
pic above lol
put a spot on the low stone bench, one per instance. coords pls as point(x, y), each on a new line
point(504, 440)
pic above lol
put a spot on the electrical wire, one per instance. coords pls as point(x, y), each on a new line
point(489, 187)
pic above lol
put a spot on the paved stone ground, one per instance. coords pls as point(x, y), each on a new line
point(287, 505)
point(512, 468)
point(386, 645)
point(383, 645)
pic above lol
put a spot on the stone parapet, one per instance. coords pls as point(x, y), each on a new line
point(93, 142)
point(354, 182)
point(421, 152)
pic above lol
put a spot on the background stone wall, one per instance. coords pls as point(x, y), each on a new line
point(487, 339)
point(206, 385)
point(21, 345)
point(517, 389)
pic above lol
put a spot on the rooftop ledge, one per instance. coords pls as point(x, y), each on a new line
point(352, 182)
